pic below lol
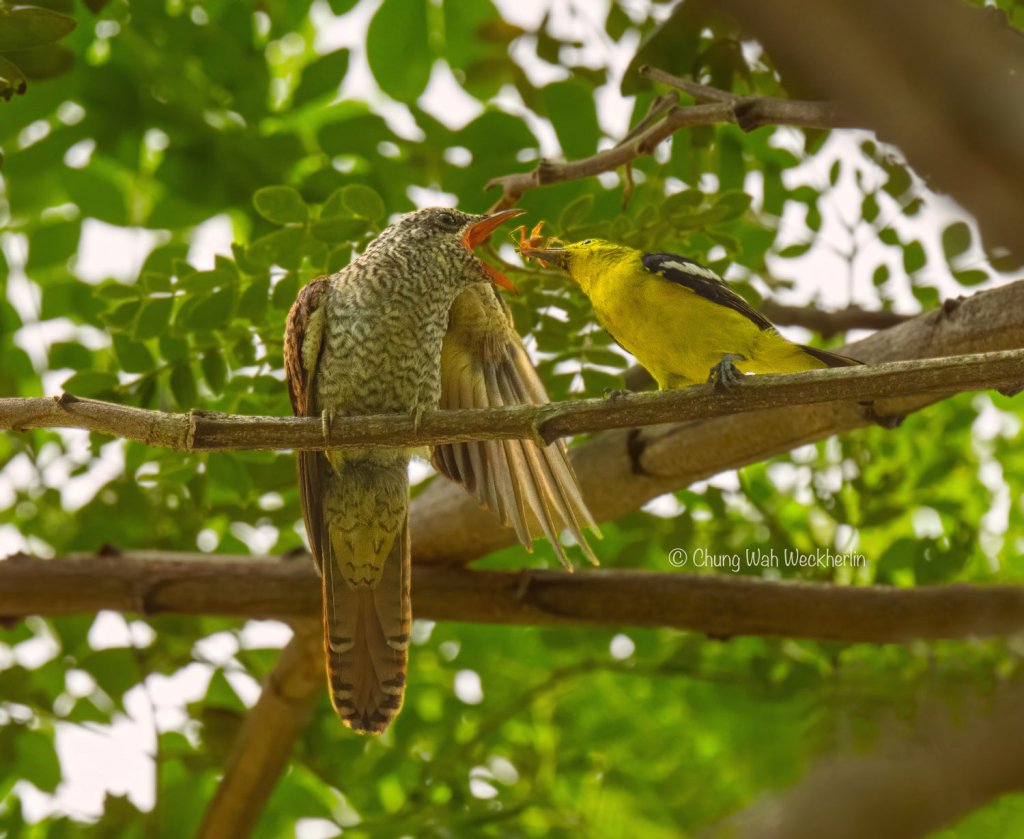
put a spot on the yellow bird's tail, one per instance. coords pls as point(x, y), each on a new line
point(830, 359)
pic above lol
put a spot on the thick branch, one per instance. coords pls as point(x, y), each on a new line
point(207, 431)
point(940, 79)
point(722, 605)
point(264, 745)
point(622, 470)
point(945, 768)
point(828, 324)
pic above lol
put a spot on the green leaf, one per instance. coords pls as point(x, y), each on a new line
point(281, 205)
point(183, 386)
point(956, 239)
point(12, 79)
point(869, 207)
point(154, 318)
point(274, 247)
point(730, 206)
point(173, 349)
point(122, 315)
point(881, 275)
point(339, 7)
point(45, 62)
point(397, 48)
point(23, 27)
point(363, 202)
point(570, 107)
point(155, 281)
point(90, 383)
point(321, 77)
point(37, 758)
point(115, 670)
point(927, 296)
point(133, 356)
point(618, 22)
point(833, 174)
point(253, 304)
point(794, 251)
point(970, 277)
point(212, 312)
point(913, 257)
point(339, 229)
point(574, 214)
point(206, 281)
point(889, 237)
point(685, 201)
point(215, 369)
point(70, 355)
point(285, 292)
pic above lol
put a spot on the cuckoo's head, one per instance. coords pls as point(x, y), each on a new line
point(447, 237)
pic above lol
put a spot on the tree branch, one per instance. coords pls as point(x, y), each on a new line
point(827, 324)
point(940, 79)
point(201, 431)
point(716, 106)
point(264, 745)
point(547, 172)
point(946, 767)
point(751, 112)
point(722, 605)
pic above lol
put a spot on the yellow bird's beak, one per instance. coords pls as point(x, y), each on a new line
point(475, 234)
point(545, 255)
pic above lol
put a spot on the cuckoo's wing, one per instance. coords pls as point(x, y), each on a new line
point(303, 339)
point(484, 364)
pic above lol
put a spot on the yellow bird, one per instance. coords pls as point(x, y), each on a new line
point(681, 320)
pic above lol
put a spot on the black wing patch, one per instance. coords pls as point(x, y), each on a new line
point(703, 281)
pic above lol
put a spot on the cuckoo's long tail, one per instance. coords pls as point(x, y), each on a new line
point(366, 637)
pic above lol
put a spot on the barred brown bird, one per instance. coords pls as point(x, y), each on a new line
point(408, 326)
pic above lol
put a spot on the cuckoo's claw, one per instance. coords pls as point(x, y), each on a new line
point(326, 421)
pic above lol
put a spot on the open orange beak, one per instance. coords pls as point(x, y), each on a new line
point(480, 231)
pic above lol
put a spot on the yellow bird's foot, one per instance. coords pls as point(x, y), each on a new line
point(326, 421)
point(615, 395)
point(724, 374)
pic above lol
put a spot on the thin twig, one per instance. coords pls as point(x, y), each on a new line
point(714, 106)
point(751, 112)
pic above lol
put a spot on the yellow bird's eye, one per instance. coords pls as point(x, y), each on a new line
point(589, 242)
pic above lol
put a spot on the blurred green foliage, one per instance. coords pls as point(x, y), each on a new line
point(175, 112)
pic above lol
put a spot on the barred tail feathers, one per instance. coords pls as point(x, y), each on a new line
point(366, 638)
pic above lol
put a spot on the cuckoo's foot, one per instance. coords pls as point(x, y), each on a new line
point(724, 374)
point(326, 421)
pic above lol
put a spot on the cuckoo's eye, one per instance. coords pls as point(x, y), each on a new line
point(447, 219)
